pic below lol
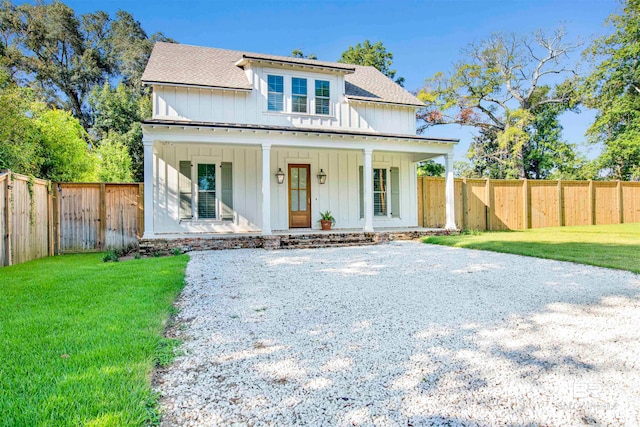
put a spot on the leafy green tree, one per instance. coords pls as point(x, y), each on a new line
point(113, 160)
point(118, 111)
point(20, 148)
point(64, 56)
point(613, 89)
point(498, 88)
point(374, 55)
point(297, 53)
point(65, 149)
point(430, 168)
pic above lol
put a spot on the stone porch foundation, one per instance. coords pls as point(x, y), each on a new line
point(165, 246)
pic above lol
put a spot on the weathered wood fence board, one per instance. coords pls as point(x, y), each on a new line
point(38, 218)
point(25, 221)
point(99, 216)
point(519, 204)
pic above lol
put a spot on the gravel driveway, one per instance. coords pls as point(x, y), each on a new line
point(403, 334)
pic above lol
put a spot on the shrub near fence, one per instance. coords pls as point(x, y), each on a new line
point(483, 204)
point(39, 218)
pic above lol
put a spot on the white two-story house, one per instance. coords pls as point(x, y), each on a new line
point(242, 142)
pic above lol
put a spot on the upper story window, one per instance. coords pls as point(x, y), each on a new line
point(322, 97)
point(298, 95)
point(275, 100)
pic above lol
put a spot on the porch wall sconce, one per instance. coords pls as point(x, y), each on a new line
point(280, 176)
point(322, 177)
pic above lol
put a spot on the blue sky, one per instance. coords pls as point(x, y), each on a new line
point(424, 36)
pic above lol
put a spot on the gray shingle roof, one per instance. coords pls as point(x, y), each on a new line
point(213, 67)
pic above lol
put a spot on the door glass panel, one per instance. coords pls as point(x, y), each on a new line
point(294, 177)
point(303, 200)
point(303, 178)
point(294, 200)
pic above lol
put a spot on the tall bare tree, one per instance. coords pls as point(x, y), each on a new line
point(499, 86)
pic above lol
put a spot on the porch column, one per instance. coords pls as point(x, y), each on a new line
point(266, 189)
point(367, 173)
point(149, 185)
point(449, 193)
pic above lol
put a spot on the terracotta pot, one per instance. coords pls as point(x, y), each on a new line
point(326, 225)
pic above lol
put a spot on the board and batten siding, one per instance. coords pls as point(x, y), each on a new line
point(229, 106)
point(340, 194)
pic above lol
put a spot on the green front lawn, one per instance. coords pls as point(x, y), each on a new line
point(79, 339)
point(612, 246)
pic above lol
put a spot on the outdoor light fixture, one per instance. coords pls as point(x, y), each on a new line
point(280, 176)
point(322, 177)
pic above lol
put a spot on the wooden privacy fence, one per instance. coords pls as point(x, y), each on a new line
point(39, 218)
point(482, 204)
point(98, 216)
point(26, 218)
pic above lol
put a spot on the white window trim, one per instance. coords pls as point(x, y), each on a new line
point(288, 94)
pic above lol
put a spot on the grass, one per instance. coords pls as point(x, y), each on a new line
point(611, 246)
point(79, 339)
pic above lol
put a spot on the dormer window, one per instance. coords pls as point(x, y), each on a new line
point(322, 97)
point(275, 100)
point(298, 95)
point(290, 94)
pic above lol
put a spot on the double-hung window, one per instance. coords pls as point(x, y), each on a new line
point(386, 192)
point(275, 94)
point(206, 186)
point(322, 97)
point(298, 95)
point(380, 192)
point(206, 191)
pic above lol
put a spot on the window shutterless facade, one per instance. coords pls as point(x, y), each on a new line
point(275, 101)
point(298, 95)
point(322, 97)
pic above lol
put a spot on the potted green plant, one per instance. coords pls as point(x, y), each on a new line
point(326, 220)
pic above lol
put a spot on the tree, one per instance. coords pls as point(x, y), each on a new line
point(374, 55)
point(613, 88)
point(65, 150)
point(430, 168)
point(64, 56)
point(117, 115)
point(297, 53)
point(498, 89)
point(114, 162)
point(20, 148)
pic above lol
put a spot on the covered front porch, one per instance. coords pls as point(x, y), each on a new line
point(247, 181)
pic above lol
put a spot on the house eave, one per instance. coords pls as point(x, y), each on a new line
point(359, 99)
point(341, 133)
point(195, 86)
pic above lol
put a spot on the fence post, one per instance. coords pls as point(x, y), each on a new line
point(560, 204)
point(102, 231)
point(527, 207)
point(8, 215)
point(51, 242)
point(140, 200)
point(465, 214)
point(592, 202)
point(620, 202)
point(488, 205)
point(424, 201)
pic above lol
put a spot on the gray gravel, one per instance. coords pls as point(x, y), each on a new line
point(403, 334)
